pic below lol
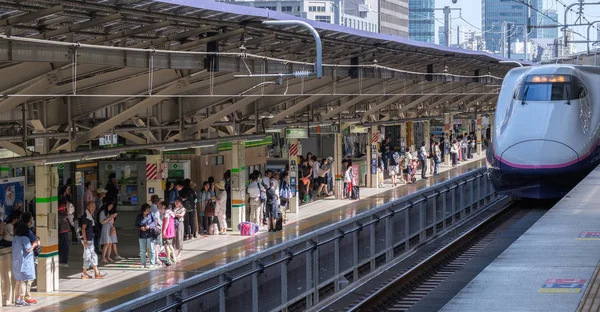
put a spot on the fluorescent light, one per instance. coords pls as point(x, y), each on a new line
point(100, 157)
point(174, 149)
point(61, 161)
point(273, 130)
point(201, 145)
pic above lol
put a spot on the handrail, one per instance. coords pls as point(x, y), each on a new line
point(389, 208)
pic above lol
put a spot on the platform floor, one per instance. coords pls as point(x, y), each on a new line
point(126, 280)
point(550, 267)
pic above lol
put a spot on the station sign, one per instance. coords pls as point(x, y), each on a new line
point(358, 129)
point(296, 133)
point(331, 129)
point(108, 139)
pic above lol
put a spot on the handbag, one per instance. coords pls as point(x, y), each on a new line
point(209, 209)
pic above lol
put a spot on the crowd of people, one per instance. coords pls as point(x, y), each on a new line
point(402, 165)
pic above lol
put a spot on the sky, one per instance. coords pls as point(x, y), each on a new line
point(471, 11)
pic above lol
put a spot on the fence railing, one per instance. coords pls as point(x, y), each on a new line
point(298, 274)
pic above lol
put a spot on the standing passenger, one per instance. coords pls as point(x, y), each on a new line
point(221, 206)
point(87, 231)
point(179, 211)
point(168, 230)
point(145, 223)
point(23, 264)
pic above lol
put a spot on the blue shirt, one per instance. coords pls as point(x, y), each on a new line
point(172, 194)
point(145, 221)
point(23, 266)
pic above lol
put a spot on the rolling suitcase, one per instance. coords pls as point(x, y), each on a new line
point(355, 192)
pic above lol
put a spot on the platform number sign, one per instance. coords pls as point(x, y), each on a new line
point(562, 285)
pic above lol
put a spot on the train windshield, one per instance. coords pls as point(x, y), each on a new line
point(550, 88)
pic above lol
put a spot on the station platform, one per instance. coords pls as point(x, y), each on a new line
point(127, 280)
point(553, 266)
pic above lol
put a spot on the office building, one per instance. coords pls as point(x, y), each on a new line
point(357, 14)
point(549, 19)
point(421, 20)
point(496, 14)
point(393, 17)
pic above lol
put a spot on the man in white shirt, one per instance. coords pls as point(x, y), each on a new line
point(423, 155)
point(266, 181)
point(253, 192)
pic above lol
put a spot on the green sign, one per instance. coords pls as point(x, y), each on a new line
point(61, 166)
point(175, 166)
point(296, 133)
point(176, 173)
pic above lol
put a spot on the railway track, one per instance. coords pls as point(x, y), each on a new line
point(410, 288)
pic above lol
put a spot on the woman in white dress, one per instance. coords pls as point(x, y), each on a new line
point(109, 234)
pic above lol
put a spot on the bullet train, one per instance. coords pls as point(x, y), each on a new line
point(546, 130)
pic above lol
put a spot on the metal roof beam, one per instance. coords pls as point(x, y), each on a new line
point(384, 104)
point(206, 122)
point(30, 16)
point(218, 37)
point(78, 27)
point(180, 86)
point(129, 32)
point(14, 147)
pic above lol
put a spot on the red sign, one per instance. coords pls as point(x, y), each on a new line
point(375, 137)
point(151, 171)
point(447, 127)
point(293, 149)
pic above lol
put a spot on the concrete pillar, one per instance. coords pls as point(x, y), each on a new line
point(372, 139)
point(426, 132)
point(293, 151)
point(154, 186)
point(410, 136)
point(238, 184)
point(478, 134)
point(338, 171)
point(447, 128)
point(403, 136)
point(46, 225)
point(491, 138)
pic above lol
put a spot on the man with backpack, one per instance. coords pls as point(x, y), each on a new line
point(393, 163)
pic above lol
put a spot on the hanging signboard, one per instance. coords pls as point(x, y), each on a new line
point(358, 129)
point(296, 133)
point(331, 129)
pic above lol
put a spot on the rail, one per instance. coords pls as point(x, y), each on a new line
point(300, 273)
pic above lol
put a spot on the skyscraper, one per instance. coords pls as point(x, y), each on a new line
point(393, 17)
point(421, 20)
point(550, 19)
point(497, 13)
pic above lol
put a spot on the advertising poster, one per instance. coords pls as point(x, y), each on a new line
point(12, 193)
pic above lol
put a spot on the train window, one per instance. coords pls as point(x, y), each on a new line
point(550, 88)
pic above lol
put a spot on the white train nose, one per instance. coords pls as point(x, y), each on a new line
point(538, 154)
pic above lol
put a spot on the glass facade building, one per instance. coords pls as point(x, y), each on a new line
point(421, 20)
point(497, 13)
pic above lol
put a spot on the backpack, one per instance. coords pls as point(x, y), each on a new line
point(403, 162)
point(395, 159)
point(263, 195)
point(247, 228)
point(285, 192)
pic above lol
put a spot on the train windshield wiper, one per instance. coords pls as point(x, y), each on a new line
point(568, 96)
point(524, 96)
